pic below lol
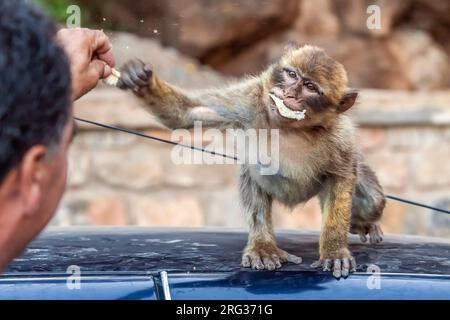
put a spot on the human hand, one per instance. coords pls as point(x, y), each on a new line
point(90, 55)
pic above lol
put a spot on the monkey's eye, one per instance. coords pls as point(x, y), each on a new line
point(292, 74)
point(310, 86)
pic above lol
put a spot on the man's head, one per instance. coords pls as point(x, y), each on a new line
point(36, 124)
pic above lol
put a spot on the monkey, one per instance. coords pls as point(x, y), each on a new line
point(305, 96)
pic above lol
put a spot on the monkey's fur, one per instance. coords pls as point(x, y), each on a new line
point(318, 155)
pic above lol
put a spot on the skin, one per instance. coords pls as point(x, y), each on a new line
point(32, 190)
point(30, 195)
point(318, 155)
point(91, 57)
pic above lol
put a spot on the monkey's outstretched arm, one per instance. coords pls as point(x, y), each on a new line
point(232, 106)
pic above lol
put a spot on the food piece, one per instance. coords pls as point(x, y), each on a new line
point(113, 79)
point(285, 111)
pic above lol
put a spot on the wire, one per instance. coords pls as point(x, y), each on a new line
point(418, 204)
point(136, 133)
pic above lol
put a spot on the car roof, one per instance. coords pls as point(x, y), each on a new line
point(134, 249)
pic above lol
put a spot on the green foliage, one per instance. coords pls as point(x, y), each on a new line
point(56, 8)
point(90, 12)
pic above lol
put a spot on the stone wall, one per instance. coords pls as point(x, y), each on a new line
point(410, 50)
point(120, 179)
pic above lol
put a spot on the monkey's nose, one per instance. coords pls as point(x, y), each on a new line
point(291, 93)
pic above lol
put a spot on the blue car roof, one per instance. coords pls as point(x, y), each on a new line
point(134, 249)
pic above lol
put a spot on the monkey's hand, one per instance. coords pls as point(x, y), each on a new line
point(341, 263)
point(266, 255)
point(372, 229)
point(137, 76)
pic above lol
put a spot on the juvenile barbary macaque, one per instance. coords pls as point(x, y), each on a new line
point(305, 96)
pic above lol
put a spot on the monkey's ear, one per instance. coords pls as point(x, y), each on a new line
point(348, 100)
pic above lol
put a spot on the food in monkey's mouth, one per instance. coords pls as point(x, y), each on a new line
point(285, 111)
point(113, 79)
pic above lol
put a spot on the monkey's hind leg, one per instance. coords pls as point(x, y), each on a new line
point(261, 251)
point(368, 205)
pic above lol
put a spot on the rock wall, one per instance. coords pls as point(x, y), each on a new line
point(117, 179)
point(410, 51)
point(120, 179)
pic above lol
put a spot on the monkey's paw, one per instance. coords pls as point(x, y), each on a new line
point(267, 256)
point(372, 229)
point(341, 267)
point(135, 75)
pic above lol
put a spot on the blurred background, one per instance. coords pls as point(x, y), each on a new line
point(402, 69)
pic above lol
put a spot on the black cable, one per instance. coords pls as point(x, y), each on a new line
point(136, 133)
point(418, 204)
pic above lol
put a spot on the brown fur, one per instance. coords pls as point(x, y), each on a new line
point(318, 155)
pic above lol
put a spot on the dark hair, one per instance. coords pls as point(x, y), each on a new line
point(35, 83)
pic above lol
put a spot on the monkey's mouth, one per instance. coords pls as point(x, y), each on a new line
point(285, 111)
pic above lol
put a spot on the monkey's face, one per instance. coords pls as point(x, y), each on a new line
point(308, 89)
